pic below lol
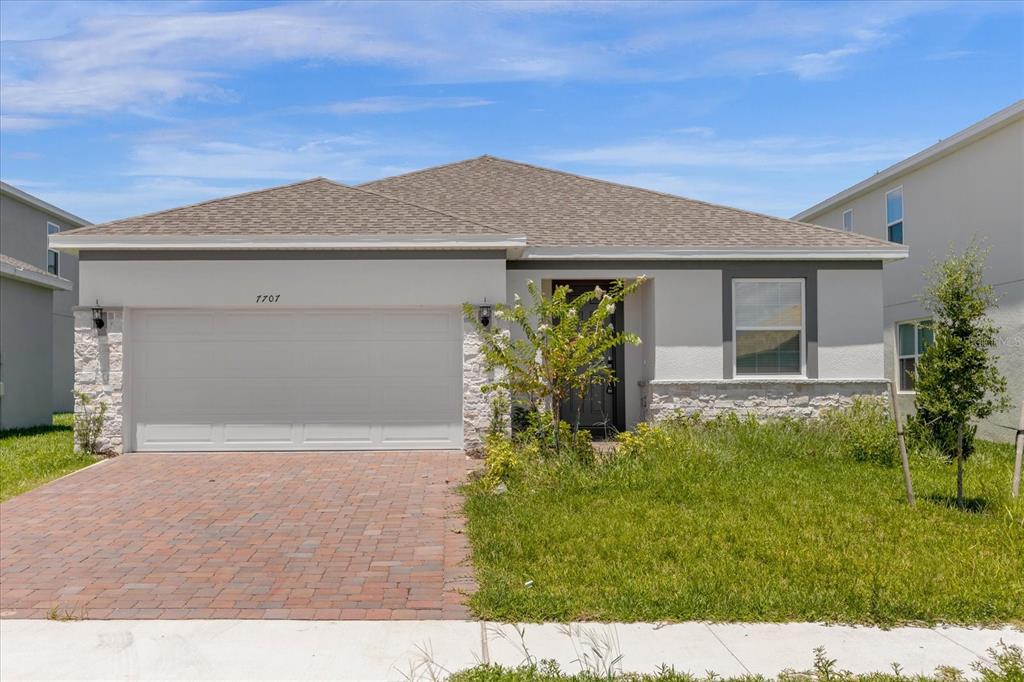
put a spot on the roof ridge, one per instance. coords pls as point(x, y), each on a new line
point(427, 169)
point(438, 211)
point(318, 178)
point(667, 195)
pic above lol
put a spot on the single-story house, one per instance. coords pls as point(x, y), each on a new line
point(323, 316)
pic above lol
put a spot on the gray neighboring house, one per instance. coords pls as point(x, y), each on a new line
point(37, 294)
point(969, 185)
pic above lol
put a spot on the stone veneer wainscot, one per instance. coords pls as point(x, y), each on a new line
point(99, 372)
point(761, 398)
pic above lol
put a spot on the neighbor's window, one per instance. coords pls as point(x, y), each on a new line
point(894, 215)
point(52, 257)
point(912, 339)
point(768, 320)
point(848, 220)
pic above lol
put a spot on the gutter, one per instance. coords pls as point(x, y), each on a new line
point(72, 242)
point(38, 278)
point(886, 254)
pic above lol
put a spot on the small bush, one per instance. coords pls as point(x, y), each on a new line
point(502, 458)
point(863, 431)
point(89, 423)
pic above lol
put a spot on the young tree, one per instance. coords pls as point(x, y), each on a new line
point(558, 351)
point(957, 378)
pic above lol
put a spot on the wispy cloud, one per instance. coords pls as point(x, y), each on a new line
point(398, 104)
point(701, 148)
point(140, 56)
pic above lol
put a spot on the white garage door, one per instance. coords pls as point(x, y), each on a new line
point(295, 379)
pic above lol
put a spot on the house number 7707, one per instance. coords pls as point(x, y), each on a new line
point(268, 298)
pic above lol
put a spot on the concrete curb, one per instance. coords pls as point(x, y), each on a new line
point(410, 650)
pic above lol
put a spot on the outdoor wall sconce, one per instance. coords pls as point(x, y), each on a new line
point(97, 318)
point(483, 313)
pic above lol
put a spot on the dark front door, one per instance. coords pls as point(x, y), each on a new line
point(601, 409)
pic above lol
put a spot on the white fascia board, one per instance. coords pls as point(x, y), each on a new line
point(38, 278)
point(44, 206)
point(961, 139)
point(72, 242)
point(567, 253)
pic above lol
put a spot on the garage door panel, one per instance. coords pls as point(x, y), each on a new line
point(412, 432)
point(237, 433)
point(424, 359)
point(422, 325)
point(172, 433)
point(354, 359)
point(296, 379)
point(350, 325)
point(256, 325)
point(177, 358)
point(175, 325)
point(336, 434)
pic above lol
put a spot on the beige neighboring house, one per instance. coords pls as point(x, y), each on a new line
point(37, 294)
point(968, 185)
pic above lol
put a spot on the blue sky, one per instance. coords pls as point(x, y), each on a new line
point(112, 109)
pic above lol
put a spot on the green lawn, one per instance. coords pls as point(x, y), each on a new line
point(749, 523)
point(31, 457)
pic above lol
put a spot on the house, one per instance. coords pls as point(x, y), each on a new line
point(967, 186)
point(36, 299)
point(322, 316)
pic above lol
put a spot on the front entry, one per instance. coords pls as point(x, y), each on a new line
point(601, 410)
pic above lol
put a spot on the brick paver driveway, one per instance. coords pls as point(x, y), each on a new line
point(249, 535)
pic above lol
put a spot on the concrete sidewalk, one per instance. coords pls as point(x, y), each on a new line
point(403, 650)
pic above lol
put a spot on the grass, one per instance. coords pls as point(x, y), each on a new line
point(1005, 663)
point(746, 522)
point(32, 457)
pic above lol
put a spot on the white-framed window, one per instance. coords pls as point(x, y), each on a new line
point(894, 215)
point(768, 327)
point(912, 338)
point(848, 220)
point(52, 257)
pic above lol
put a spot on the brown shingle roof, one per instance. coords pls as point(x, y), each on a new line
point(21, 265)
point(312, 207)
point(554, 208)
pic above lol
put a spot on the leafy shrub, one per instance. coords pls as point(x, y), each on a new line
point(499, 422)
point(89, 422)
point(863, 431)
point(926, 431)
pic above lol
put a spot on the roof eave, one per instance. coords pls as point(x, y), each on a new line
point(44, 206)
point(37, 278)
point(719, 253)
point(71, 242)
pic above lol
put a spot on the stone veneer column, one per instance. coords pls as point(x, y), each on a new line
point(99, 371)
point(476, 405)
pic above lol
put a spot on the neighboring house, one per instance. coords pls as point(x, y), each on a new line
point(37, 352)
point(321, 316)
point(968, 186)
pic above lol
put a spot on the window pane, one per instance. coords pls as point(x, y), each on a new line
point(894, 206)
point(896, 233)
point(767, 352)
point(768, 304)
point(52, 262)
point(907, 374)
point(906, 332)
point(925, 337)
point(848, 220)
point(52, 229)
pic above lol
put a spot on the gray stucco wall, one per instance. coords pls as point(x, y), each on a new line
point(972, 193)
point(26, 325)
point(23, 236)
